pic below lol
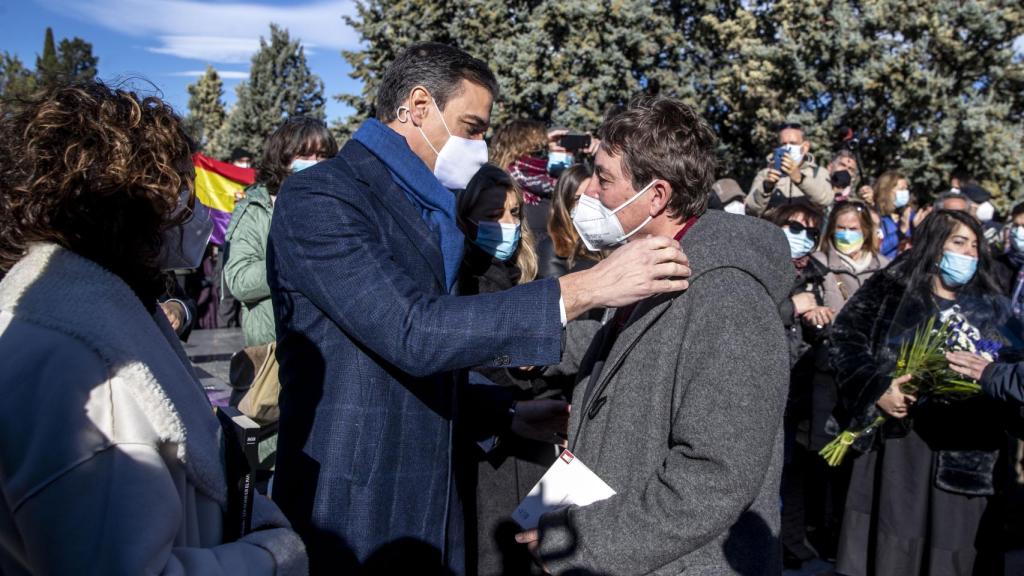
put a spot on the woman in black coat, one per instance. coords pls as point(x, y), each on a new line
point(499, 255)
point(922, 492)
point(805, 318)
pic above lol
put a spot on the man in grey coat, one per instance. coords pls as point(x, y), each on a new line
point(680, 399)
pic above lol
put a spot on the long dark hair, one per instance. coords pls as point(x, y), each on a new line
point(298, 136)
point(921, 263)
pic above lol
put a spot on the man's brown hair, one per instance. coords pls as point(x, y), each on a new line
point(660, 137)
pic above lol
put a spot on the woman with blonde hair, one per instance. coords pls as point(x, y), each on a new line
point(499, 255)
point(110, 454)
point(899, 217)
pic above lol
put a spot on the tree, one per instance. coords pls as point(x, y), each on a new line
point(387, 28)
point(927, 86)
point(71, 61)
point(48, 70)
point(75, 60)
point(280, 85)
point(16, 81)
point(206, 112)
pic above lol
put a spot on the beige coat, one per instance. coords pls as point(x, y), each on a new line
point(815, 186)
point(841, 281)
point(110, 455)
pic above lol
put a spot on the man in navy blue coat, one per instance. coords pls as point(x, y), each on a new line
point(372, 337)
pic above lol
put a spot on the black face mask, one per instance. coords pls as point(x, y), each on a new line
point(184, 245)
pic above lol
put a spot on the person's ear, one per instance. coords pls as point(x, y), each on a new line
point(661, 193)
point(419, 104)
point(805, 147)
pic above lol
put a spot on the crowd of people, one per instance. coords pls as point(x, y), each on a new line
point(440, 317)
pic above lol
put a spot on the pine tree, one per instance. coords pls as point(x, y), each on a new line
point(280, 85)
point(206, 107)
point(387, 27)
point(928, 86)
point(75, 60)
point(48, 69)
point(70, 61)
point(16, 81)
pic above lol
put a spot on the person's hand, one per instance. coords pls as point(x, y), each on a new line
point(867, 194)
point(803, 302)
point(819, 316)
point(542, 420)
point(921, 215)
point(553, 138)
point(642, 268)
point(532, 540)
point(174, 312)
point(594, 145)
point(967, 364)
point(792, 169)
point(773, 175)
point(894, 402)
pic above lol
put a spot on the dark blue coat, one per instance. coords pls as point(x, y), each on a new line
point(369, 345)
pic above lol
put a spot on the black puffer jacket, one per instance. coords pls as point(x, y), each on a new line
point(967, 434)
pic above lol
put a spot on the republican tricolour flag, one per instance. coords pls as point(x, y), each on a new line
point(216, 185)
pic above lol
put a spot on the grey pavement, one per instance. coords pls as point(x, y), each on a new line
point(210, 352)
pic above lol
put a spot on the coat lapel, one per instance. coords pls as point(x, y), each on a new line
point(400, 207)
point(643, 317)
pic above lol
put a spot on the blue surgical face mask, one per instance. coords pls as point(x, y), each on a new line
point(498, 239)
point(1017, 237)
point(298, 165)
point(902, 197)
point(957, 269)
point(558, 161)
point(799, 244)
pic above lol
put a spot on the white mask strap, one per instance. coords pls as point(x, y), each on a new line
point(443, 123)
point(635, 196)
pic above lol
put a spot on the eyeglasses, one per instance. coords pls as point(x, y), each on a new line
point(796, 228)
point(790, 126)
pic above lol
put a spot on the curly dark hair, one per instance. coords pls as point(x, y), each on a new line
point(97, 170)
point(298, 136)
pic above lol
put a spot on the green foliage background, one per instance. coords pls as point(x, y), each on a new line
point(929, 86)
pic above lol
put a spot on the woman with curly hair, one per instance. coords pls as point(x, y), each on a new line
point(110, 456)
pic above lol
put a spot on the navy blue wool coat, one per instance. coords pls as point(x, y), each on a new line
point(371, 348)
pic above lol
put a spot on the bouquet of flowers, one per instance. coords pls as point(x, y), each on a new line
point(925, 358)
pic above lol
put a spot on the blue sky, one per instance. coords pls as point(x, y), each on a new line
point(170, 42)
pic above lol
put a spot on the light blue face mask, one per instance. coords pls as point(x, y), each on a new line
point(558, 161)
point(298, 165)
point(799, 244)
point(498, 239)
point(957, 269)
point(902, 197)
point(1017, 237)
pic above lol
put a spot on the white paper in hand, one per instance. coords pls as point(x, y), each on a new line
point(568, 482)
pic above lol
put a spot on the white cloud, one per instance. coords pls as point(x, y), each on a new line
point(208, 48)
point(218, 32)
point(224, 74)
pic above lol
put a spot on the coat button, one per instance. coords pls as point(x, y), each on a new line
point(503, 360)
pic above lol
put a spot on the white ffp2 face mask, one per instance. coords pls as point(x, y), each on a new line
point(985, 212)
point(459, 159)
point(598, 226)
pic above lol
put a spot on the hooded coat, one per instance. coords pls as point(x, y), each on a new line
point(681, 414)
